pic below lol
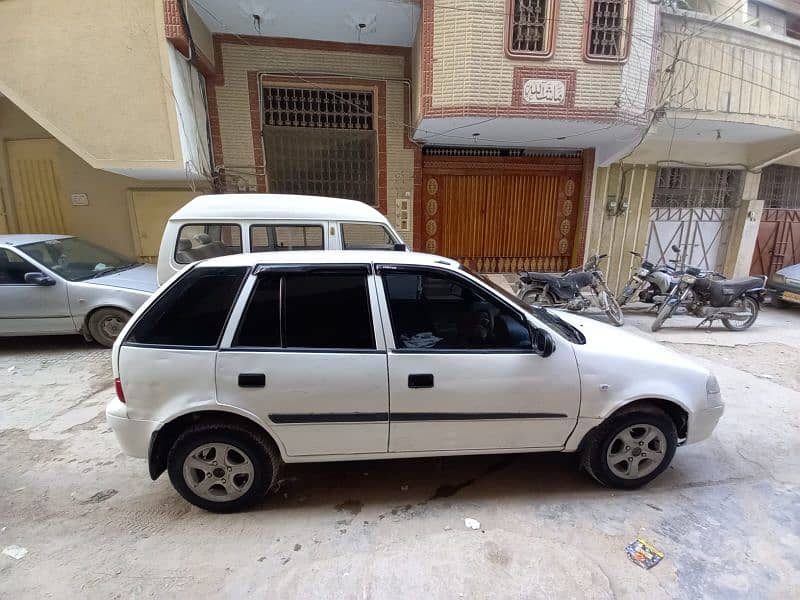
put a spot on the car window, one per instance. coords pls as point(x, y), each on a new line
point(327, 310)
point(366, 236)
point(76, 259)
point(198, 241)
point(260, 325)
point(193, 311)
point(13, 268)
point(268, 238)
point(443, 312)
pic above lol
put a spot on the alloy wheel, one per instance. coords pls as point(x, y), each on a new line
point(636, 451)
point(218, 472)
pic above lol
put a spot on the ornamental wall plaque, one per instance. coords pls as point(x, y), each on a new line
point(564, 228)
point(433, 186)
point(569, 187)
point(430, 227)
point(566, 207)
point(430, 245)
point(432, 206)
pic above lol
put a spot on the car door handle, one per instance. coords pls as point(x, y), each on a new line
point(420, 380)
point(252, 380)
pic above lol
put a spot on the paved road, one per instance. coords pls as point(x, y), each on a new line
point(725, 514)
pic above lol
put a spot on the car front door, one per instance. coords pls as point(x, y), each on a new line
point(462, 372)
point(307, 358)
point(29, 308)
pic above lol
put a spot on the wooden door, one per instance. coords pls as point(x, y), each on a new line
point(35, 185)
point(778, 241)
point(497, 217)
point(151, 209)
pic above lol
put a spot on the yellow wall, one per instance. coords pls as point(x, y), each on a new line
point(106, 220)
point(95, 75)
point(616, 235)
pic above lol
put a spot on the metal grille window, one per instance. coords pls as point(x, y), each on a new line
point(607, 33)
point(321, 142)
point(531, 27)
point(677, 187)
point(780, 187)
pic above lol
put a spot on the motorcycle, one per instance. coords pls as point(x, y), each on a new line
point(650, 283)
point(735, 302)
point(564, 291)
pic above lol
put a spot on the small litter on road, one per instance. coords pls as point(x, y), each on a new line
point(100, 496)
point(472, 523)
point(15, 551)
point(643, 554)
point(12, 369)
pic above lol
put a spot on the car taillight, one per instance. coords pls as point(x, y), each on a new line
point(118, 388)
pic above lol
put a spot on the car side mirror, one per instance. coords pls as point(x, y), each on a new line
point(400, 247)
point(543, 343)
point(37, 278)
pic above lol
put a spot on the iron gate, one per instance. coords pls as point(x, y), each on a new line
point(778, 241)
point(693, 209)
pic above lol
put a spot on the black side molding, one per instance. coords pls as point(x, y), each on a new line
point(252, 380)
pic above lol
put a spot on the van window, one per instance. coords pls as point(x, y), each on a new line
point(260, 325)
point(193, 311)
point(207, 240)
point(268, 238)
point(366, 236)
point(441, 312)
point(327, 311)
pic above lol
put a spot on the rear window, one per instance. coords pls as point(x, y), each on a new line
point(193, 311)
point(269, 238)
point(207, 240)
point(366, 236)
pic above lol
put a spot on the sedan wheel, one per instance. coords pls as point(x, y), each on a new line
point(106, 324)
point(218, 472)
point(636, 451)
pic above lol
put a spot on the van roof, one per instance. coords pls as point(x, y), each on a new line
point(330, 257)
point(248, 207)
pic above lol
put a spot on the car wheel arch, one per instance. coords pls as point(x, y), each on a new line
point(163, 438)
point(674, 410)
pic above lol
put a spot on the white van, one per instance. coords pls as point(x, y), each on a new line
point(222, 224)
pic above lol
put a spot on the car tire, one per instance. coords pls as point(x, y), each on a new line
point(105, 324)
point(605, 450)
point(255, 462)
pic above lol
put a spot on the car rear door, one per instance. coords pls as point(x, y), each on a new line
point(462, 372)
point(303, 353)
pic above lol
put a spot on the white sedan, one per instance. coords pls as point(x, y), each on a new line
point(246, 362)
point(59, 284)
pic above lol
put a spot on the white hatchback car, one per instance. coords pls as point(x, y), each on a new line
point(245, 362)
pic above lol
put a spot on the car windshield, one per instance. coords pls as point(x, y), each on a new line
point(553, 320)
point(76, 259)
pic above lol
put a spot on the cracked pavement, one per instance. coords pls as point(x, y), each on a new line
point(725, 514)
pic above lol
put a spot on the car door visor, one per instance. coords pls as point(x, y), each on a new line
point(323, 268)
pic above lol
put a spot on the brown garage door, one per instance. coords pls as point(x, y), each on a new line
point(499, 215)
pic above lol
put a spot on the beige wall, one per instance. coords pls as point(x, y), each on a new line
point(470, 66)
point(95, 75)
point(729, 72)
point(616, 235)
point(200, 33)
point(106, 220)
point(234, 107)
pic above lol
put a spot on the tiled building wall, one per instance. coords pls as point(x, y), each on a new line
point(237, 134)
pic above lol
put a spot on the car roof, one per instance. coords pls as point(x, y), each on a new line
point(247, 207)
point(18, 239)
point(792, 270)
point(330, 257)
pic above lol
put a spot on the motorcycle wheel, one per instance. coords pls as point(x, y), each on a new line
point(663, 314)
point(613, 310)
point(750, 306)
point(539, 298)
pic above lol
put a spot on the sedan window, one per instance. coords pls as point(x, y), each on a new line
point(76, 259)
point(13, 268)
point(441, 312)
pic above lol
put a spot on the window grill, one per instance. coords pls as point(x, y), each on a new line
point(780, 187)
point(321, 142)
point(531, 23)
point(607, 29)
point(678, 187)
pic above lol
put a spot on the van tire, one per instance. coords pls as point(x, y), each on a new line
point(262, 457)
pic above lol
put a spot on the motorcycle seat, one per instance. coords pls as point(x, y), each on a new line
point(737, 286)
point(573, 280)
